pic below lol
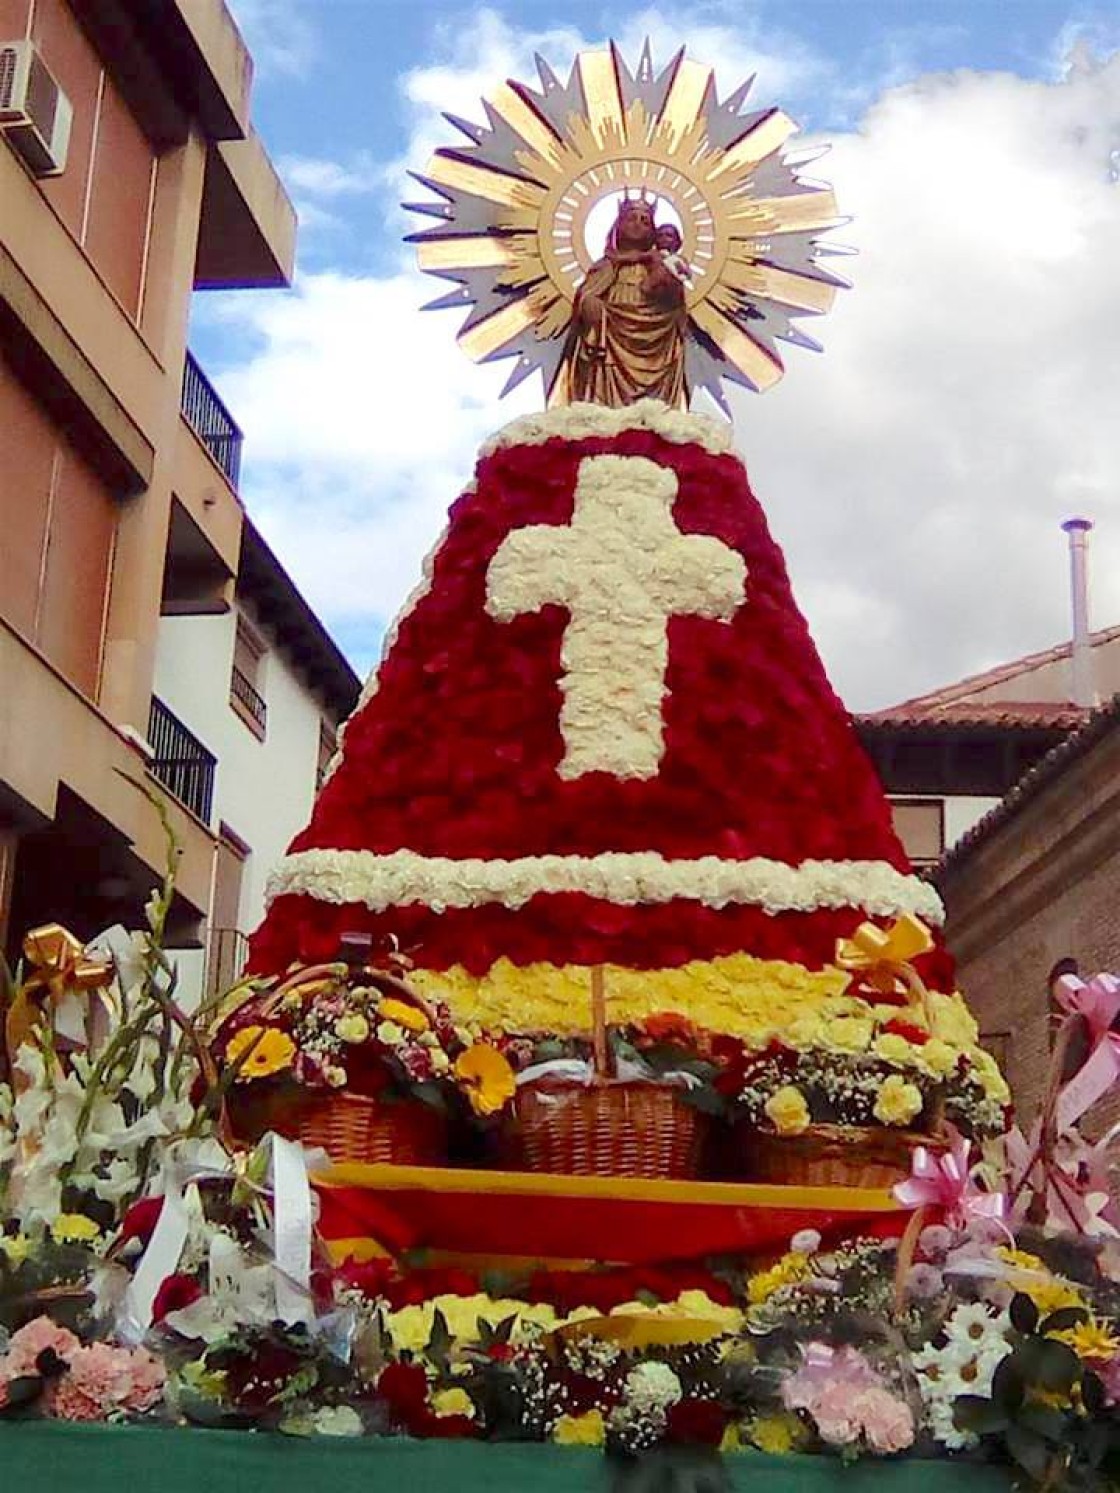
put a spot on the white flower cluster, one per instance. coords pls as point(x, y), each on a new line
point(976, 1344)
point(652, 1387)
point(576, 422)
point(40, 1139)
point(627, 878)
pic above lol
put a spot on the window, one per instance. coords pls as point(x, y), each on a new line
point(920, 825)
point(227, 946)
point(328, 745)
point(59, 523)
point(246, 680)
point(105, 194)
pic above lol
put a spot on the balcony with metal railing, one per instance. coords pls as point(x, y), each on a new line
point(211, 422)
point(247, 700)
point(180, 762)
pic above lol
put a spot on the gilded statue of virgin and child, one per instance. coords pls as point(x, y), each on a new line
point(628, 323)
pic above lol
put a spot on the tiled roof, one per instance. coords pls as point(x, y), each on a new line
point(923, 706)
point(1006, 714)
point(1046, 771)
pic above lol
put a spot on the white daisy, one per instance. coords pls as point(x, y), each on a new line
point(970, 1324)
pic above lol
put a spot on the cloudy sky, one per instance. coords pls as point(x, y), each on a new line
point(968, 397)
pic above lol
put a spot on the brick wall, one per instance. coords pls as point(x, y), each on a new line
point(1043, 885)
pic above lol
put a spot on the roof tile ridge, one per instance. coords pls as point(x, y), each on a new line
point(951, 694)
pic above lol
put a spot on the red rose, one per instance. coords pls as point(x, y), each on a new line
point(404, 1388)
point(696, 1422)
point(446, 1427)
point(140, 1221)
point(907, 1031)
point(257, 1375)
point(176, 1293)
point(370, 1277)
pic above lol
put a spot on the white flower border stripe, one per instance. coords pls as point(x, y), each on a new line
point(626, 878)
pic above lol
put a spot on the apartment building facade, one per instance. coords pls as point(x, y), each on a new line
point(248, 707)
point(130, 176)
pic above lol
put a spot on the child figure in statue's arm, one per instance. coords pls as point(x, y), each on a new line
point(669, 244)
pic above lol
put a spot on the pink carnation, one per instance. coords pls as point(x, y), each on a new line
point(834, 1412)
point(888, 1422)
point(105, 1381)
point(31, 1340)
point(416, 1062)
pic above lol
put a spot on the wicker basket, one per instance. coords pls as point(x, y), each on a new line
point(605, 1128)
point(830, 1156)
point(349, 1127)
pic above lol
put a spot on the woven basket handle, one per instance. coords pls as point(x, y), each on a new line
point(602, 1057)
point(387, 984)
point(394, 985)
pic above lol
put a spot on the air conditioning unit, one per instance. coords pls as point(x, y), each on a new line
point(35, 114)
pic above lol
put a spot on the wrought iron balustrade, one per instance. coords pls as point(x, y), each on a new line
point(211, 421)
point(226, 955)
point(180, 762)
point(244, 691)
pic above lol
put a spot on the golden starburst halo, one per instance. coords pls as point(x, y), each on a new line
point(514, 207)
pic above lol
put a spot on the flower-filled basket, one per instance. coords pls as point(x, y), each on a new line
point(612, 1113)
point(355, 1062)
point(849, 1106)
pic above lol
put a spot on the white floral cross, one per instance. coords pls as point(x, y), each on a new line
point(623, 569)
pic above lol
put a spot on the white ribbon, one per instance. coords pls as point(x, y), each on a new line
point(291, 1229)
point(577, 1070)
point(184, 1167)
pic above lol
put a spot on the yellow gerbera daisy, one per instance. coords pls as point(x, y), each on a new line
point(261, 1052)
point(1091, 1340)
point(486, 1078)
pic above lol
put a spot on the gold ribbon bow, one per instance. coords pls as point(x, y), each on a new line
point(58, 967)
point(883, 957)
point(59, 963)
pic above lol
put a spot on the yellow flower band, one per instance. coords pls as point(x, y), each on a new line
point(737, 994)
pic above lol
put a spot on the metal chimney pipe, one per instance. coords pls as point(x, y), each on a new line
point(1082, 689)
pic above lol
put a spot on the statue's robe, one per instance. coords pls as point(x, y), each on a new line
point(635, 349)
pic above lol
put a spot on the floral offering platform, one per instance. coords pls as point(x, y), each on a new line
point(598, 1100)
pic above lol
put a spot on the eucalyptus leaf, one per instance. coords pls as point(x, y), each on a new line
point(983, 1417)
point(1024, 1314)
point(1059, 1367)
point(1030, 1451)
point(1044, 1421)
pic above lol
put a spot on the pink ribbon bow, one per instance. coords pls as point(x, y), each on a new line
point(1097, 1000)
point(944, 1180)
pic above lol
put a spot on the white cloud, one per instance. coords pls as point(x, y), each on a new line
point(278, 33)
point(916, 473)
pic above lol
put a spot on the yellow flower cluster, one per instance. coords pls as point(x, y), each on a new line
point(777, 1434)
point(588, 1429)
point(1033, 1278)
point(410, 1327)
point(754, 999)
point(74, 1228)
point(790, 1269)
point(788, 1110)
point(897, 1102)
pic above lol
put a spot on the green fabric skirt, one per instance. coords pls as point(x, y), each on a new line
point(60, 1458)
